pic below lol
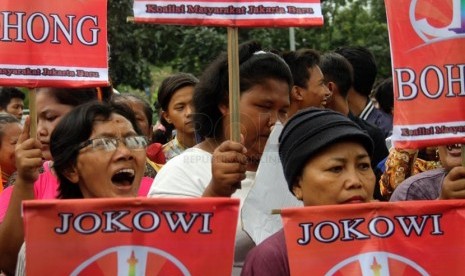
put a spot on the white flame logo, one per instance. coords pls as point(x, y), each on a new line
point(431, 34)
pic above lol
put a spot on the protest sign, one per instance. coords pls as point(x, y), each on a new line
point(53, 43)
point(270, 184)
point(428, 60)
point(130, 236)
point(230, 13)
point(402, 238)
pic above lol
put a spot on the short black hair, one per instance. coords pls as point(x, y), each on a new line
point(255, 67)
point(8, 93)
point(299, 62)
point(384, 95)
point(77, 96)
point(148, 112)
point(364, 66)
point(337, 69)
point(75, 128)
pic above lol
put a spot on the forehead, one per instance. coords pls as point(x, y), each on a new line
point(272, 89)
point(16, 101)
point(315, 73)
point(115, 125)
point(183, 94)
point(11, 129)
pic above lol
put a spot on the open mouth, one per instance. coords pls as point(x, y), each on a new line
point(124, 177)
point(454, 147)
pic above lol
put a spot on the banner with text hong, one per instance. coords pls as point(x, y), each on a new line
point(130, 236)
point(230, 13)
point(53, 43)
point(381, 238)
point(428, 61)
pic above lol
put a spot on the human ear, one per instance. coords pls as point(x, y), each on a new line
point(297, 190)
point(72, 175)
point(296, 93)
point(166, 116)
point(224, 109)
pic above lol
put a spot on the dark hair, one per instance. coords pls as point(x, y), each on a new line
point(364, 66)
point(8, 93)
point(75, 128)
point(77, 96)
point(122, 98)
point(6, 119)
point(337, 69)
point(256, 67)
point(299, 62)
point(384, 94)
point(168, 87)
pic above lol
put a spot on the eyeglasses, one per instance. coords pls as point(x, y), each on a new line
point(110, 143)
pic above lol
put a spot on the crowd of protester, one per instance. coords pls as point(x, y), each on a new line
point(329, 105)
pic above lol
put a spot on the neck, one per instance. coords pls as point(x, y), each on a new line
point(187, 140)
point(293, 108)
point(340, 105)
point(357, 102)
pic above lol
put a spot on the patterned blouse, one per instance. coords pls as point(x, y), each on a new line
point(173, 148)
point(400, 165)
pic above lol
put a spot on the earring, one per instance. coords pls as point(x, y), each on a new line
point(437, 153)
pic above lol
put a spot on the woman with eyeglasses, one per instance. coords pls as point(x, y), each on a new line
point(98, 152)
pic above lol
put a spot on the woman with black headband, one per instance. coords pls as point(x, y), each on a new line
point(326, 160)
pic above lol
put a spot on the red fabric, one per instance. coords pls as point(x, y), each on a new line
point(155, 153)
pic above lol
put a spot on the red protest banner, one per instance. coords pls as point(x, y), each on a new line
point(131, 236)
point(427, 39)
point(402, 238)
point(53, 43)
point(230, 13)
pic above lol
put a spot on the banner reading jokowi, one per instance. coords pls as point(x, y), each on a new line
point(130, 236)
point(230, 13)
point(402, 238)
point(53, 43)
point(427, 40)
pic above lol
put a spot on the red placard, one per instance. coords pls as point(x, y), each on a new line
point(230, 13)
point(53, 43)
point(427, 38)
point(402, 238)
point(131, 236)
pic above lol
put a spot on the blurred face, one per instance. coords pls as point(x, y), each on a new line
point(340, 174)
point(450, 156)
point(142, 120)
point(261, 106)
point(15, 107)
point(180, 110)
point(115, 173)
point(49, 113)
point(317, 93)
point(11, 133)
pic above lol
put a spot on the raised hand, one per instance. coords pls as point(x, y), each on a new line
point(229, 164)
point(453, 186)
point(28, 155)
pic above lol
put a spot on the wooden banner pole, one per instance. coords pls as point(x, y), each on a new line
point(33, 112)
point(234, 94)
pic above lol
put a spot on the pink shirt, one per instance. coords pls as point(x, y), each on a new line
point(46, 187)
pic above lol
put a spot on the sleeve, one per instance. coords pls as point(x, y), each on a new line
point(182, 177)
point(268, 259)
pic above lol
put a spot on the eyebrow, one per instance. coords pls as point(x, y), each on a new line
point(358, 157)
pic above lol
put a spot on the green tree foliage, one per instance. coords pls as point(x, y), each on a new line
point(137, 48)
